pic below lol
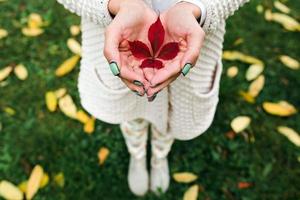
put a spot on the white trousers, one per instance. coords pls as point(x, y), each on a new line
point(135, 133)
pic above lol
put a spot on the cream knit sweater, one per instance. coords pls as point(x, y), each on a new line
point(185, 109)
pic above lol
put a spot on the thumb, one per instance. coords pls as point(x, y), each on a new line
point(194, 43)
point(111, 48)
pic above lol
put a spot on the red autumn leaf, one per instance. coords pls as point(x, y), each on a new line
point(169, 51)
point(156, 35)
point(244, 185)
point(139, 49)
point(151, 63)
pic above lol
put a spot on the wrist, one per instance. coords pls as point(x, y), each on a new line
point(189, 7)
point(114, 6)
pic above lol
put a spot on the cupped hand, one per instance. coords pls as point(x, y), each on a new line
point(132, 18)
point(181, 25)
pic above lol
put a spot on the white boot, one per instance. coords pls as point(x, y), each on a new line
point(135, 134)
point(161, 146)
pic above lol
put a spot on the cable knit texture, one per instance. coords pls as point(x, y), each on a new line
point(185, 109)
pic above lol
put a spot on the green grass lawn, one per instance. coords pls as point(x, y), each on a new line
point(35, 136)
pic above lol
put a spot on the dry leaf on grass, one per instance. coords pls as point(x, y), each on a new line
point(184, 177)
point(82, 116)
point(34, 24)
point(236, 55)
point(67, 66)
point(45, 180)
point(282, 108)
point(10, 191)
point(34, 181)
point(254, 71)
point(32, 32)
point(290, 62)
point(286, 21)
point(232, 71)
point(67, 106)
point(103, 154)
point(51, 101)
point(281, 7)
point(75, 30)
point(240, 123)
point(74, 46)
point(5, 72)
point(21, 72)
point(60, 92)
point(59, 179)
point(256, 86)
point(8, 110)
point(89, 126)
point(244, 185)
point(23, 186)
point(291, 134)
point(3, 33)
point(191, 193)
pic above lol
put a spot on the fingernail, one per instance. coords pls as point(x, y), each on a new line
point(150, 99)
point(138, 83)
point(114, 68)
point(186, 69)
point(137, 93)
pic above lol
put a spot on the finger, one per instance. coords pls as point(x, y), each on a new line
point(111, 47)
point(134, 77)
point(194, 43)
point(138, 90)
point(165, 73)
point(152, 92)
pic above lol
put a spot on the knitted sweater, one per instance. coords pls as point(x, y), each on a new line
point(185, 108)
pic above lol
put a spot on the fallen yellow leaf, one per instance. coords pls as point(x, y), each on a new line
point(67, 66)
point(286, 21)
point(281, 108)
point(34, 21)
point(102, 155)
point(3, 33)
point(75, 30)
point(256, 86)
point(236, 55)
point(289, 62)
point(254, 71)
point(21, 72)
point(45, 180)
point(240, 123)
point(259, 8)
point(10, 111)
point(74, 46)
point(32, 32)
point(10, 191)
point(67, 106)
point(191, 193)
point(247, 97)
point(184, 177)
point(232, 71)
point(281, 7)
point(5, 72)
point(23, 186)
point(59, 179)
point(34, 181)
point(291, 134)
point(51, 101)
point(59, 93)
point(89, 126)
point(82, 116)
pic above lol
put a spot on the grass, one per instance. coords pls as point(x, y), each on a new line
point(35, 136)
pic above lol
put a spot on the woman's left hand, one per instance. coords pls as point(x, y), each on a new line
point(181, 25)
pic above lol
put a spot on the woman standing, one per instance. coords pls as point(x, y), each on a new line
point(181, 97)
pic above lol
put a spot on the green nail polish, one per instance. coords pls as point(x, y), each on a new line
point(114, 68)
point(186, 69)
point(138, 83)
point(137, 93)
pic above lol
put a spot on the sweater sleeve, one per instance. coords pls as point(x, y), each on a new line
point(218, 11)
point(93, 10)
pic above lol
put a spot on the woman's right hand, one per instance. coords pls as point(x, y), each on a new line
point(131, 22)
